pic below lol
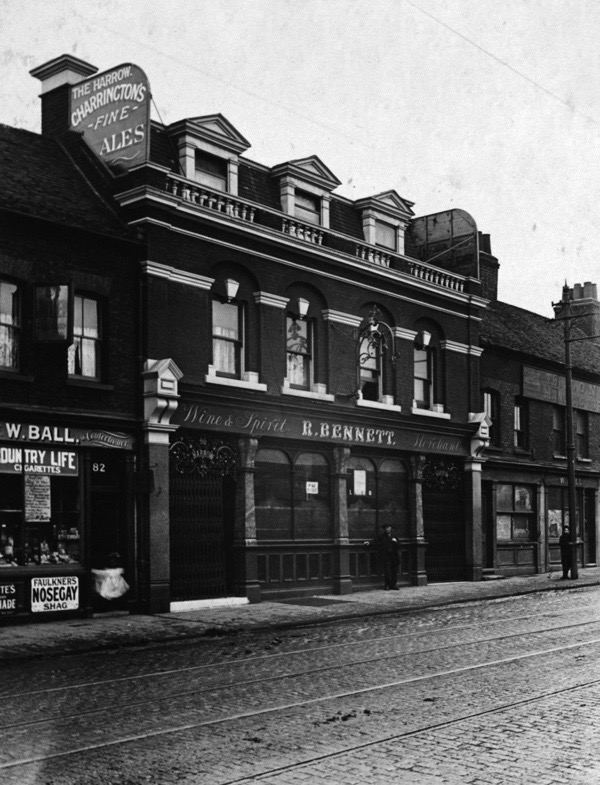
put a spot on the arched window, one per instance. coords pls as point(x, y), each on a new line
point(292, 499)
point(299, 352)
point(273, 495)
point(228, 338)
point(424, 373)
point(377, 495)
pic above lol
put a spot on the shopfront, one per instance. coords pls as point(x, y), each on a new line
point(66, 502)
point(310, 492)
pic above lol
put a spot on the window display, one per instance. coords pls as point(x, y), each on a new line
point(39, 520)
point(515, 512)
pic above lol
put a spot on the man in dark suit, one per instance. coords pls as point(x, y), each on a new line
point(388, 555)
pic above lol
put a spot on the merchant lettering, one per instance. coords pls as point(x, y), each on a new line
point(54, 594)
point(123, 139)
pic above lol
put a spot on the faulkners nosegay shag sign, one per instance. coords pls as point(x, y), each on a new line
point(112, 110)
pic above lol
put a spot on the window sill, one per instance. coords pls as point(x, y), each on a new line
point(388, 407)
point(317, 393)
point(249, 382)
point(440, 415)
point(560, 457)
point(16, 376)
point(584, 460)
point(91, 383)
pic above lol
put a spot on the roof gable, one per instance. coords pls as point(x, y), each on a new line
point(389, 202)
point(214, 128)
point(311, 169)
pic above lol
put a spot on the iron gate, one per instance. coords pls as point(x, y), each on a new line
point(444, 520)
point(201, 517)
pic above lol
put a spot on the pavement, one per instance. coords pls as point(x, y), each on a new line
point(233, 615)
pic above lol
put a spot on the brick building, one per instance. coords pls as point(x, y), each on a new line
point(525, 483)
point(69, 398)
point(279, 370)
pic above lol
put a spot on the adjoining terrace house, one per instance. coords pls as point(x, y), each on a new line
point(306, 367)
point(525, 483)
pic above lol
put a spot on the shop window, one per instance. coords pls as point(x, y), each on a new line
point(385, 235)
point(299, 348)
point(370, 366)
point(424, 375)
point(39, 520)
point(9, 326)
point(581, 434)
point(377, 495)
point(521, 440)
point(515, 512)
point(559, 427)
point(211, 170)
point(307, 207)
point(228, 338)
point(84, 352)
point(491, 406)
point(558, 510)
point(292, 499)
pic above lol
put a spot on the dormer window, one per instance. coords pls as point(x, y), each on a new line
point(211, 170)
point(385, 235)
point(307, 207)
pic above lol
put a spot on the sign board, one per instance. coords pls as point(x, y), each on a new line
point(112, 111)
point(449, 239)
point(53, 313)
point(54, 594)
point(37, 498)
point(312, 488)
point(18, 460)
point(257, 422)
point(11, 598)
point(546, 386)
point(57, 434)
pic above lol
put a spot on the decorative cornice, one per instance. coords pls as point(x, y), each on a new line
point(461, 348)
point(265, 298)
point(177, 276)
point(341, 318)
point(408, 335)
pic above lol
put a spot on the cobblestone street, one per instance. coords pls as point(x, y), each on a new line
point(491, 692)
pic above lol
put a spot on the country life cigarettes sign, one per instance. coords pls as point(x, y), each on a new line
point(54, 594)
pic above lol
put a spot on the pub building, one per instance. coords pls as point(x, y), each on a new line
point(294, 369)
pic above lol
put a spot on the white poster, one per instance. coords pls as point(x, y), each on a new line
point(360, 482)
point(54, 594)
point(37, 498)
point(312, 488)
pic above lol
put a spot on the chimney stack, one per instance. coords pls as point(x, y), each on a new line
point(57, 76)
point(585, 305)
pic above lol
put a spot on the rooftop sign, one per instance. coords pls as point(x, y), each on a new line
point(112, 111)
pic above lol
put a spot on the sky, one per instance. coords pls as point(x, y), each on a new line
point(489, 107)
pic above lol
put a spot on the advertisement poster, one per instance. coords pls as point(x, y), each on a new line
point(54, 594)
point(37, 498)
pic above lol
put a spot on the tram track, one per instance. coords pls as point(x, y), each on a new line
point(397, 737)
point(270, 677)
point(331, 697)
point(301, 652)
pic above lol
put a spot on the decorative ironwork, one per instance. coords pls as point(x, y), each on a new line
point(192, 454)
point(442, 475)
point(375, 338)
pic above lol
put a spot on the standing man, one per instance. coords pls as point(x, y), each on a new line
point(388, 555)
point(565, 552)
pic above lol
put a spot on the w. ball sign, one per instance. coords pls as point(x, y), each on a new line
point(112, 110)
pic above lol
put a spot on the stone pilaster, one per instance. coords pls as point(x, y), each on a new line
point(342, 580)
point(160, 379)
point(473, 519)
point(418, 575)
point(245, 545)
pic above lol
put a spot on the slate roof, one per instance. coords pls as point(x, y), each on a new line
point(40, 179)
point(505, 326)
